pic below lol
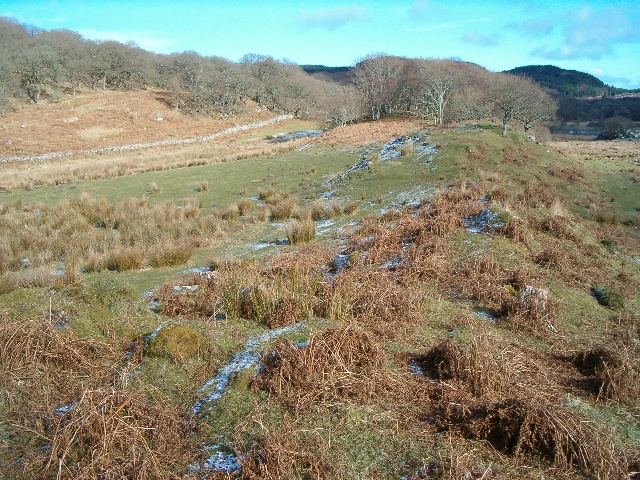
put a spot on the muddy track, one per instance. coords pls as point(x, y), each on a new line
point(159, 143)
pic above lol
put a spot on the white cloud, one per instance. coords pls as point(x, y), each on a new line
point(481, 39)
point(589, 33)
point(333, 18)
point(421, 7)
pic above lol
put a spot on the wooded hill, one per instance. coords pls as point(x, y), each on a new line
point(582, 97)
point(38, 65)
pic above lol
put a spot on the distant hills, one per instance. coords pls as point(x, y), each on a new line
point(582, 97)
point(336, 74)
point(569, 82)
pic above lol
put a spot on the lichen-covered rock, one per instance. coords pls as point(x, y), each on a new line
point(175, 342)
point(608, 297)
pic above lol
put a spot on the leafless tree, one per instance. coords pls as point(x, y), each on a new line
point(518, 98)
point(540, 107)
point(377, 78)
point(439, 82)
point(343, 105)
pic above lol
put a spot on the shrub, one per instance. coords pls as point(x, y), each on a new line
point(284, 209)
point(269, 196)
point(154, 188)
point(176, 342)
point(350, 207)
point(232, 213)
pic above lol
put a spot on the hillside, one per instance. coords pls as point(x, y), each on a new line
point(565, 82)
point(385, 300)
point(93, 119)
point(342, 75)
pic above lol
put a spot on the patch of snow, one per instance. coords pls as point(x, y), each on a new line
point(486, 315)
point(486, 220)
point(216, 387)
point(285, 137)
point(66, 408)
point(185, 288)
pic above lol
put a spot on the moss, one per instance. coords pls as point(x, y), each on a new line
point(608, 297)
point(176, 342)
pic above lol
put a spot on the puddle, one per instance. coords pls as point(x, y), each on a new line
point(328, 195)
point(185, 288)
point(66, 408)
point(197, 270)
point(273, 243)
point(249, 357)
point(393, 264)
point(153, 334)
point(415, 368)
point(222, 460)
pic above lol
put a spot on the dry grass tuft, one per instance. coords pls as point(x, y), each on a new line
point(609, 373)
point(294, 455)
point(557, 226)
point(169, 254)
point(517, 155)
point(118, 433)
point(505, 395)
point(74, 411)
point(300, 231)
point(528, 428)
point(124, 258)
point(340, 363)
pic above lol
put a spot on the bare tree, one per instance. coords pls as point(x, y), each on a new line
point(540, 108)
point(343, 105)
point(377, 79)
point(439, 82)
point(38, 69)
point(518, 98)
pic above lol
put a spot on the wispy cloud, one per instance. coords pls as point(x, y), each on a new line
point(145, 39)
point(450, 25)
point(333, 18)
point(420, 8)
point(542, 26)
point(481, 39)
point(592, 34)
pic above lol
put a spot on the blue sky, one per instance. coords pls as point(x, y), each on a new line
point(598, 37)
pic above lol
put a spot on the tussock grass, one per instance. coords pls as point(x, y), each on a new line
point(284, 208)
point(300, 231)
point(321, 209)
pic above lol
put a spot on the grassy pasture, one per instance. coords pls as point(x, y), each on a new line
point(431, 350)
